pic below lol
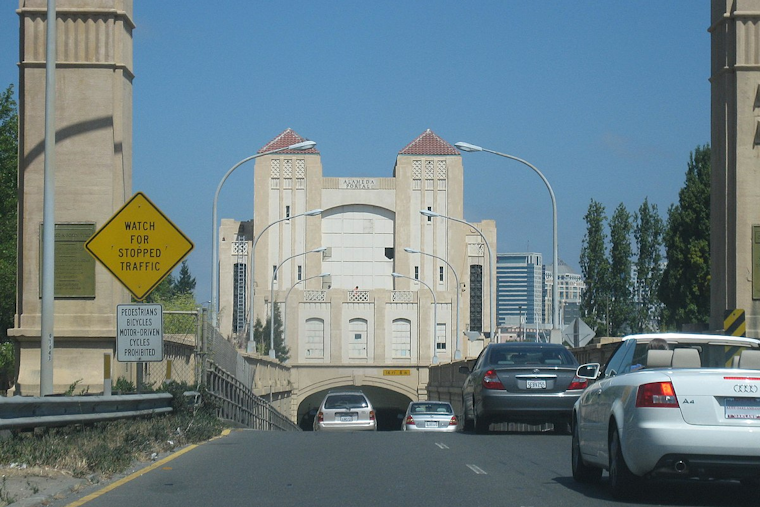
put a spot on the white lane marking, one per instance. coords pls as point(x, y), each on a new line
point(442, 446)
point(477, 469)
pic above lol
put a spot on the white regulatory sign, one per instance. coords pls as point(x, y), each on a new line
point(139, 333)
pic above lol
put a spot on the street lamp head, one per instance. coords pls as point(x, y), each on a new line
point(429, 213)
point(323, 275)
point(313, 212)
point(317, 250)
point(397, 275)
point(303, 145)
point(467, 146)
point(411, 250)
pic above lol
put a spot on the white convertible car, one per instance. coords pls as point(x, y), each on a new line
point(686, 408)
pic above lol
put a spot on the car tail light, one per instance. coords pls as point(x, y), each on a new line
point(409, 420)
point(320, 417)
point(371, 415)
point(578, 383)
point(453, 421)
point(491, 380)
point(657, 394)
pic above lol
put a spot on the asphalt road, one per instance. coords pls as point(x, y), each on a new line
point(385, 469)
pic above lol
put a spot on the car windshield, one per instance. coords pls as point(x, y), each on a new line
point(518, 356)
point(431, 408)
point(684, 354)
point(337, 401)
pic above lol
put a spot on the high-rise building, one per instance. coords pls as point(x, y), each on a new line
point(519, 289)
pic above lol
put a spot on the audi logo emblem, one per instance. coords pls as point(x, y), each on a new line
point(745, 388)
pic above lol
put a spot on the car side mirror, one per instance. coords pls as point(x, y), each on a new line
point(588, 371)
point(464, 369)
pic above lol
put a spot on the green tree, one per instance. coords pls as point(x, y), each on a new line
point(185, 282)
point(163, 291)
point(648, 232)
point(262, 337)
point(8, 227)
point(8, 208)
point(595, 270)
point(621, 295)
point(685, 286)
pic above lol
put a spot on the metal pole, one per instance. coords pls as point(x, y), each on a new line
point(274, 277)
point(555, 248)
point(252, 290)
point(47, 309)
point(305, 145)
point(458, 353)
point(434, 358)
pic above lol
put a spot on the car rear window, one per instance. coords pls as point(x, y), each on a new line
point(519, 356)
point(431, 408)
point(335, 401)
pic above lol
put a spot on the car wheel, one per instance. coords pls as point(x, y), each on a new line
point(467, 424)
point(561, 427)
point(622, 480)
point(581, 471)
point(482, 425)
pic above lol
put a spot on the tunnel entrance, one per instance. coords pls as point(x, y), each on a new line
point(390, 407)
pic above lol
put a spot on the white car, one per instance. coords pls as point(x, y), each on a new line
point(690, 411)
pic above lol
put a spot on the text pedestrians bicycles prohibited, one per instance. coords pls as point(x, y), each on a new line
point(139, 333)
point(139, 246)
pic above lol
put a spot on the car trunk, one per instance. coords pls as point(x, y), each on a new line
point(718, 396)
point(536, 379)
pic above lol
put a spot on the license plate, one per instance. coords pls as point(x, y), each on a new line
point(347, 418)
point(431, 424)
point(536, 384)
point(742, 408)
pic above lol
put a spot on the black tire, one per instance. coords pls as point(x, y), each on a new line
point(581, 471)
point(467, 423)
point(622, 481)
point(562, 428)
point(482, 425)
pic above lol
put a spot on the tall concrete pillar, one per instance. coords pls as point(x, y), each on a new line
point(93, 179)
point(735, 148)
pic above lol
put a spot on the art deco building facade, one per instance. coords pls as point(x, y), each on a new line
point(359, 320)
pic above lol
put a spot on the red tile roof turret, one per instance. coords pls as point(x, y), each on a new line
point(287, 138)
point(429, 144)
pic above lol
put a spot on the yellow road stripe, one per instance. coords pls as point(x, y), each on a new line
point(140, 472)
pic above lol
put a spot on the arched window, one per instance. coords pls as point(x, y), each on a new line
point(315, 338)
point(401, 344)
point(357, 338)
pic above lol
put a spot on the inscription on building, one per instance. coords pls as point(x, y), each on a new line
point(358, 183)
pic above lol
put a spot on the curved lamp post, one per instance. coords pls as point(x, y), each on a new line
point(458, 353)
point(435, 312)
point(555, 257)
point(271, 297)
point(285, 313)
point(304, 145)
point(433, 214)
point(252, 289)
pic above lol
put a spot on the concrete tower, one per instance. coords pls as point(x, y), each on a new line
point(93, 178)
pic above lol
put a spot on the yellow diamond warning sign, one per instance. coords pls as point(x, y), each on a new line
point(139, 245)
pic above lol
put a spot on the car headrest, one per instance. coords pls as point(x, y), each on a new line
point(750, 359)
point(659, 358)
point(686, 358)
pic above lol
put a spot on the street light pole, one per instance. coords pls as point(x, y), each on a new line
point(435, 313)
point(458, 353)
point(285, 313)
point(555, 256)
point(305, 145)
point(271, 297)
point(433, 214)
point(252, 289)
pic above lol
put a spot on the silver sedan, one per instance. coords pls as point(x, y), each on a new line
point(670, 405)
point(430, 416)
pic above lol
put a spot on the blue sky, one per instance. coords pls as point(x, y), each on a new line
point(607, 98)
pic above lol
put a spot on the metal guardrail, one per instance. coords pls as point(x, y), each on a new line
point(236, 402)
point(31, 412)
